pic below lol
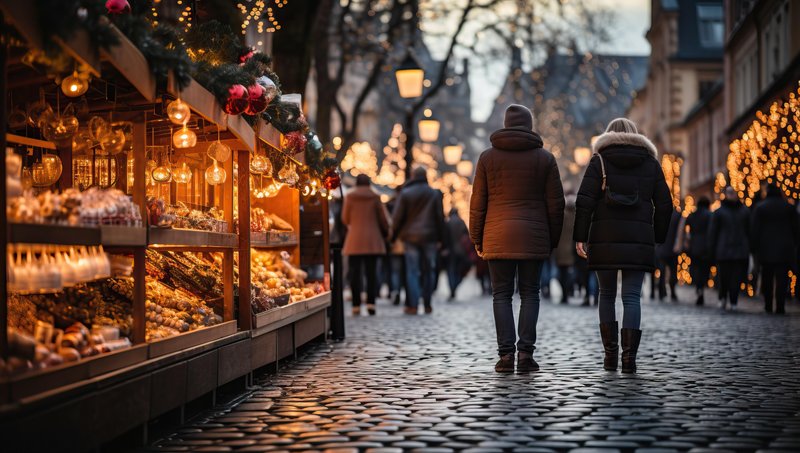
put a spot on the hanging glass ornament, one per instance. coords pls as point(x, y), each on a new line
point(219, 151)
point(38, 110)
point(52, 167)
point(257, 99)
point(39, 175)
point(331, 180)
point(184, 138)
point(294, 142)
point(149, 166)
point(182, 174)
point(112, 141)
point(26, 178)
point(60, 128)
point(215, 174)
point(74, 85)
point(98, 127)
point(237, 101)
point(178, 112)
point(260, 165)
point(270, 89)
point(162, 173)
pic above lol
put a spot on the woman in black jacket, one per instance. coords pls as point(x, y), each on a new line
point(729, 245)
point(623, 209)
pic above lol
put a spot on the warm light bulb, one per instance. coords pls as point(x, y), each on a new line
point(162, 174)
point(261, 165)
point(178, 112)
point(184, 138)
point(182, 174)
point(74, 85)
point(215, 174)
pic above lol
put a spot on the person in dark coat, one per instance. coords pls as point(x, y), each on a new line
point(729, 246)
point(774, 233)
point(697, 224)
point(668, 259)
point(623, 209)
point(458, 261)
point(368, 225)
point(516, 215)
point(565, 252)
point(418, 220)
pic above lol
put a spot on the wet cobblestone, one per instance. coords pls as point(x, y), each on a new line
point(708, 381)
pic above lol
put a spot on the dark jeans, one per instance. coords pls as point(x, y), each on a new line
point(667, 264)
point(565, 282)
point(455, 267)
point(780, 274)
point(700, 270)
point(631, 297)
point(360, 265)
point(731, 275)
point(527, 273)
point(420, 272)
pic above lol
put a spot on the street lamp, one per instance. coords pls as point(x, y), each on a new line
point(410, 78)
point(452, 154)
point(428, 128)
point(582, 155)
point(464, 168)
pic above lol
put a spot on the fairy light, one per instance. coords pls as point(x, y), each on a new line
point(671, 165)
point(256, 13)
point(361, 160)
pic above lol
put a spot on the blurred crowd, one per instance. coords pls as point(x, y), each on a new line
point(402, 246)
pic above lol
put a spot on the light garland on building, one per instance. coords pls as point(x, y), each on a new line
point(361, 160)
point(671, 165)
point(768, 151)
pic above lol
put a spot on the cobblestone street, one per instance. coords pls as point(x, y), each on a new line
point(707, 381)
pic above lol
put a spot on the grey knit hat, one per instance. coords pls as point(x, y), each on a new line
point(518, 116)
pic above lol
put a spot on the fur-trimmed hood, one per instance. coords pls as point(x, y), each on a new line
point(610, 139)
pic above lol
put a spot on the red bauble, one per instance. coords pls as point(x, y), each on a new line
point(117, 6)
point(237, 100)
point(295, 142)
point(331, 180)
point(257, 98)
point(246, 56)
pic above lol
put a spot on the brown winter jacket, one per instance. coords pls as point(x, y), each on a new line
point(517, 205)
point(367, 223)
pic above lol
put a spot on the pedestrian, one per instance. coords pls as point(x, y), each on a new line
point(418, 221)
point(697, 224)
point(458, 263)
point(623, 209)
point(516, 215)
point(368, 227)
point(565, 252)
point(396, 259)
point(728, 236)
point(774, 236)
point(668, 259)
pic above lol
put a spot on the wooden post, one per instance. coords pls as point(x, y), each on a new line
point(139, 256)
point(245, 312)
point(65, 154)
point(227, 258)
point(326, 245)
point(3, 217)
point(139, 295)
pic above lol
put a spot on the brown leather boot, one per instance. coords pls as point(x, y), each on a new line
point(525, 363)
point(505, 364)
point(630, 345)
point(609, 335)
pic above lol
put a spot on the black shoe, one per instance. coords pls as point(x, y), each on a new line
point(610, 337)
point(630, 346)
point(700, 300)
point(396, 299)
point(371, 309)
point(428, 309)
point(505, 364)
point(564, 301)
point(587, 302)
point(525, 363)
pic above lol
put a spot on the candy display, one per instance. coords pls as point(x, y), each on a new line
point(275, 270)
point(261, 222)
point(182, 216)
point(92, 207)
point(43, 269)
point(173, 311)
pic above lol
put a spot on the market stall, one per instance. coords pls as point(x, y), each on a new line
point(153, 233)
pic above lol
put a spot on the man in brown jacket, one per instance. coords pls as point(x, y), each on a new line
point(516, 214)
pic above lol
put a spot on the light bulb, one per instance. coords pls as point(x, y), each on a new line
point(161, 174)
point(182, 174)
point(74, 85)
point(184, 138)
point(261, 165)
point(215, 174)
point(178, 112)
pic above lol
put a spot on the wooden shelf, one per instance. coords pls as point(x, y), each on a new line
point(120, 236)
point(281, 316)
point(273, 239)
point(36, 233)
point(177, 237)
point(187, 340)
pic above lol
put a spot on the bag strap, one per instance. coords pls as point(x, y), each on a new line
point(603, 169)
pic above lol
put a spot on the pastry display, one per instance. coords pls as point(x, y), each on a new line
point(276, 272)
point(173, 311)
point(93, 207)
point(47, 269)
point(261, 222)
point(182, 216)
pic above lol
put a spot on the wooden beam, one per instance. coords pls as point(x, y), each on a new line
point(245, 310)
point(130, 62)
point(21, 140)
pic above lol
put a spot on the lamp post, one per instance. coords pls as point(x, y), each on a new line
point(410, 78)
point(582, 155)
point(429, 127)
point(452, 154)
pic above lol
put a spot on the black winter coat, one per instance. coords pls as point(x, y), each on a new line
point(774, 231)
point(623, 237)
point(698, 223)
point(729, 232)
point(666, 250)
point(418, 215)
point(517, 204)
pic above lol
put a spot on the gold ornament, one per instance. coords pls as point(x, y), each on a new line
point(178, 112)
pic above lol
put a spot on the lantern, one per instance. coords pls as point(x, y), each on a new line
point(184, 138)
point(261, 165)
point(162, 174)
point(429, 130)
point(464, 168)
point(410, 78)
point(452, 154)
point(182, 174)
point(52, 167)
point(219, 151)
point(74, 85)
point(582, 155)
point(178, 112)
point(215, 174)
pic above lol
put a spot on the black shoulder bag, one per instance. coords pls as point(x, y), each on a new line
point(616, 199)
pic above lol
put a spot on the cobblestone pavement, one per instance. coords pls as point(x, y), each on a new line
point(708, 381)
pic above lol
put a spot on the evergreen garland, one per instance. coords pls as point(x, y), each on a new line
point(284, 116)
point(214, 43)
point(63, 18)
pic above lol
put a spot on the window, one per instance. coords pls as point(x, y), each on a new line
point(776, 43)
point(712, 30)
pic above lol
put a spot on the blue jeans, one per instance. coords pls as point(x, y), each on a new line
point(527, 273)
point(631, 297)
point(420, 272)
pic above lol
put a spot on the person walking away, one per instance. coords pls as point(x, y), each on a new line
point(729, 242)
point(697, 224)
point(396, 259)
point(623, 209)
point(774, 233)
point(368, 227)
point(418, 221)
point(565, 252)
point(668, 259)
point(457, 259)
point(516, 215)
